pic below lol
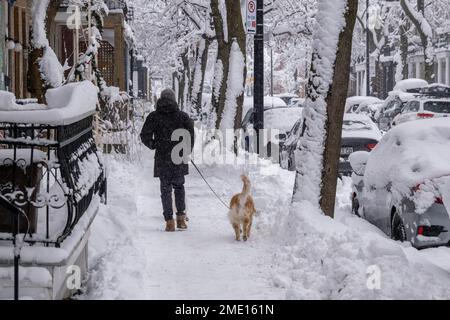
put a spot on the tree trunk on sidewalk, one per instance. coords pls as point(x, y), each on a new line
point(231, 40)
point(335, 108)
point(320, 143)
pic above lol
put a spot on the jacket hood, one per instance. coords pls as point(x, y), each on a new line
point(166, 106)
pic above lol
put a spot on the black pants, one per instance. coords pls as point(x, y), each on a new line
point(176, 183)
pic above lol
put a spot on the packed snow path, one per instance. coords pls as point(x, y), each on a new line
point(301, 255)
point(135, 258)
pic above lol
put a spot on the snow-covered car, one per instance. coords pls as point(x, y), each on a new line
point(298, 102)
point(287, 97)
point(359, 133)
point(423, 108)
point(352, 103)
point(403, 185)
point(280, 119)
point(412, 85)
point(369, 108)
point(269, 103)
point(434, 102)
point(392, 106)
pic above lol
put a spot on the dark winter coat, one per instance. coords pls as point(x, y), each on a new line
point(157, 135)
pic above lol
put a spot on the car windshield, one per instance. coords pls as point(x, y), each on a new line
point(352, 125)
point(437, 106)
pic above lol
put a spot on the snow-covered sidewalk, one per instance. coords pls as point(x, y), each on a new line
point(295, 256)
point(132, 257)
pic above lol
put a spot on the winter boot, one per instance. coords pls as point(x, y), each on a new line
point(170, 226)
point(181, 222)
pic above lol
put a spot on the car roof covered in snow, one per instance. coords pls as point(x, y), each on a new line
point(410, 84)
point(403, 96)
point(358, 100)
point(409, 154)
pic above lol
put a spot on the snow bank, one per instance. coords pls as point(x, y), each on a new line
point(66, 105)
point(327, 259)
point(409, 155)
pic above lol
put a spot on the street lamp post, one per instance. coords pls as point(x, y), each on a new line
point(258, 96)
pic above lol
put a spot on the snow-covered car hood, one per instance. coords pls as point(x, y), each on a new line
point(359, 126)
point(409, 155)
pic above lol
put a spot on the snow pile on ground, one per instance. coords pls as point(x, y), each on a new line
point(348, 258)
point(418, 154)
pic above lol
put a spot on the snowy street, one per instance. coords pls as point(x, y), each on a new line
point(131, 256)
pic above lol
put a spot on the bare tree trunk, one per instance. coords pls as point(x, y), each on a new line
point(235, 34)
point(335, 108)
point(184, 81)
point(404, 49)
point(198, 75)
point(425, 39)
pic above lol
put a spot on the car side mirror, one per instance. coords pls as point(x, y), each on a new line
point(358, 161)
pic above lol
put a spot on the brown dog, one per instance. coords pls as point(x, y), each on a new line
point(242, 210)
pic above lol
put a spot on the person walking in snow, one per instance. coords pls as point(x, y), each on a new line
point(157, 134)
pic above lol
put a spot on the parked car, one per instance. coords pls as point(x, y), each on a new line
point(298, 102)
point(353, 103)
point(434, 102)
point(392, 106)
point(369, 108)
point(404, 91)
point(412, 85)
point(403, 185)
point(287, 97)
point(359, 132)
point(269, 103)
point(281, 119)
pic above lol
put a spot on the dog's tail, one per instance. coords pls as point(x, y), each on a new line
point(247, 185)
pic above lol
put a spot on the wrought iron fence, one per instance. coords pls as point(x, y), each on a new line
point(51, 173)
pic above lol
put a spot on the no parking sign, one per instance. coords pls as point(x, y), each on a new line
point(251, 16)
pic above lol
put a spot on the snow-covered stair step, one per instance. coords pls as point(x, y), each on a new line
point(35, 283)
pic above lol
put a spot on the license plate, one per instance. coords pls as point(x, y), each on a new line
point(345, 151)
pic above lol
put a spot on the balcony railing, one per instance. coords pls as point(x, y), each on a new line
point(51, 174)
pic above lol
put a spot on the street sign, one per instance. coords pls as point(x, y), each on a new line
point(251, 16)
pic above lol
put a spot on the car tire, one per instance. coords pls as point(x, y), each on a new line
point(398, 230)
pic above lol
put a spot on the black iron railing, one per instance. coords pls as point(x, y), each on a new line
point(51, 173)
